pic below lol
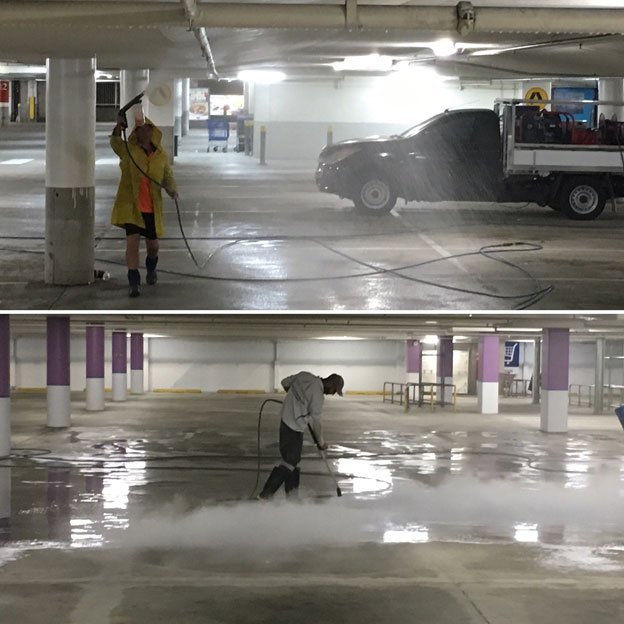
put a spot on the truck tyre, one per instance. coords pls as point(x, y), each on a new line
point(582, 198)
point(375, 196)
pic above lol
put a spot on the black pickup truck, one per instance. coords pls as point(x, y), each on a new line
point(457, 156)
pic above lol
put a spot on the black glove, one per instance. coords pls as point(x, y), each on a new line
point(322, 447)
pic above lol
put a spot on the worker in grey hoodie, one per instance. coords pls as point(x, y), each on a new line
point(303, 405)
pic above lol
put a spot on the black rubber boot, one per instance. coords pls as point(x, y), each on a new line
point(291, 485)
point(150, 265)
point(134, 281)
point(278, 475)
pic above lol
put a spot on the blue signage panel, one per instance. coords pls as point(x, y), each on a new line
point(512, 354)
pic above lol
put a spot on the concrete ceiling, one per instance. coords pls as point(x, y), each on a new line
point(154, 34)
point(372, 327)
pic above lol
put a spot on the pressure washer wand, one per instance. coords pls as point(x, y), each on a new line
point(322, 452)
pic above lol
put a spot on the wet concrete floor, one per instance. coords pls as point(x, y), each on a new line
point(266, 239)
point(141, 514)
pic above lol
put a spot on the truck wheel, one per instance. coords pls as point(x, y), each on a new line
point(375, 196)
point(582, 198)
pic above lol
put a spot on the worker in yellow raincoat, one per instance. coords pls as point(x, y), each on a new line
point(138, 205)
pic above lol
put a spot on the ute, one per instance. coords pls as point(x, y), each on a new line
point(517, 152)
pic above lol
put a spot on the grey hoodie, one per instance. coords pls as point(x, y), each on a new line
point(303, 404)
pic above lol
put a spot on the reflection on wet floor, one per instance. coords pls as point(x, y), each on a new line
point(458, 486)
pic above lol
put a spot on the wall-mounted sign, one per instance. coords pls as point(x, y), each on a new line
point(512, 354)
point(538, 94)
point(4, 91)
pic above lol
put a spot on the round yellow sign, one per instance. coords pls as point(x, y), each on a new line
point(538, 94)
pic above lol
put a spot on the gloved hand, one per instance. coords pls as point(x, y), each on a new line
point(322, 447)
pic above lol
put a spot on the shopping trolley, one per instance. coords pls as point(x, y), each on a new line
point(218, 134)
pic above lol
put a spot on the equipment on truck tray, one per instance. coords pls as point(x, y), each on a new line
point(560, 127)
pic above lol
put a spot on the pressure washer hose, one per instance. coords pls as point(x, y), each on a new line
point(253, 492)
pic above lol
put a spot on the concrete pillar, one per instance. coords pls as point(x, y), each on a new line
point(59, 393)
point(131, 83)
point(599, 379)
point(487, 374)
point(162, 108)
point(413, 365)
point(186, 105)
point(611, 89)
point(177, 124)
point(445, 367)
point(273, 380)
point(248, 97)
point(136, 363)
point(5, 502)
point(70, 171)
point(5, 386)
point(555, 366)
point(413, 356)
point(5, 102)
point(120, 365)
point(537, 371)
point(95, 368)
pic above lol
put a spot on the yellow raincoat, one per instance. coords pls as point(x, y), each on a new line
point(126, 208)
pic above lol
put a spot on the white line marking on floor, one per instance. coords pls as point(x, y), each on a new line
point(442, 252)
point(16, 161)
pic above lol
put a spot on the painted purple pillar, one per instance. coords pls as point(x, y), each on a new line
point(5, 386)
point(414, 356)
point(489, 359)
point(95, 368)
point(59, 397)
point(555, 379)
point(445, 368)
point(120, 365)
point(487, 374)
point(136, 363)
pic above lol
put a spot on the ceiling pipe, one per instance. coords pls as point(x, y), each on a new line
point(463, 18)
point(191, 10)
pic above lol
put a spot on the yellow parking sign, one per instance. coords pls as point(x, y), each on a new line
point(537, 94)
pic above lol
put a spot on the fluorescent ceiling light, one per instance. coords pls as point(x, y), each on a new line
point(10, 68)
point(340, 338)
point(370, 62)
point(443, 47)
point(523, 330)
point(261, 76)
point(416, 71)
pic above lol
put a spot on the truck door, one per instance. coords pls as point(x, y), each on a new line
point(458, 158)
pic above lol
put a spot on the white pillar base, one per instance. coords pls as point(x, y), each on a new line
point(487, 397)
point(5, 427)
point(59, 406)
point(120, 386)
point(95, 394)
point(136, 382)
point(448, 391)
point(554, 411)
